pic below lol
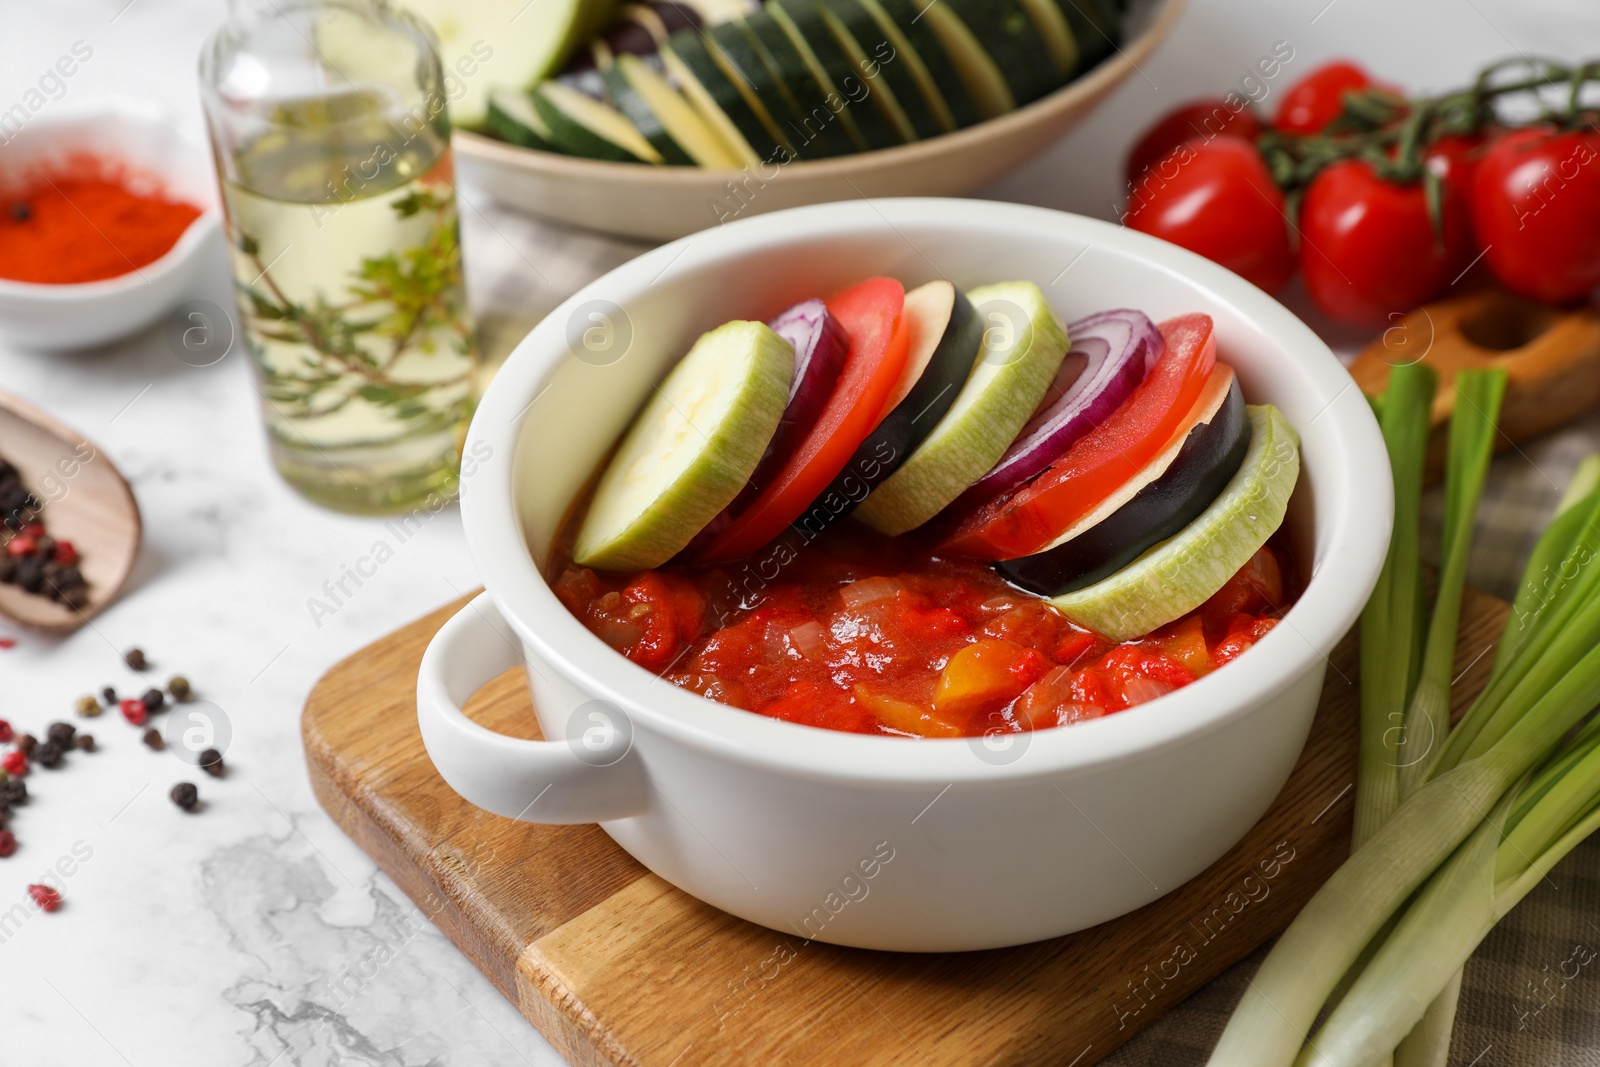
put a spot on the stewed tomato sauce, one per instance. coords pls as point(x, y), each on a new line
point(875, 635)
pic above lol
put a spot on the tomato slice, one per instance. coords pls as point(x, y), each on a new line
point(1030, 517)
point(879, 340)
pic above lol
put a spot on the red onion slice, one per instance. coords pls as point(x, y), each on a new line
point(821, 344)
point(1111, 353)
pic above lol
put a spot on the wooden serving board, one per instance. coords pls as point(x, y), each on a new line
point(1551, 357)
point(615, 966)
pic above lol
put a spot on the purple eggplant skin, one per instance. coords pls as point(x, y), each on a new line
point(1120, 347)
point(821, 344)
point(1211, 454)
point(899, 433)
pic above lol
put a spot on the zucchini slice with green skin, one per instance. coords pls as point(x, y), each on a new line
point(513, 119)
point(690, 450)
point(716, 98)
point(1161, 500)
point(1181, 573)
point(583, 126)
point(728, 45)
point(819, 129)
point(802, 20)
point(619, 81)
point(893, 58)
point(920, 49)
point(1023, 344)
point(873, 59)
point(1012, 40)
point(990, 93)
point(485, 44)
point(1056, 33)
point(1096, 24)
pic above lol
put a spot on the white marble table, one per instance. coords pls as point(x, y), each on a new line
point(255, 932)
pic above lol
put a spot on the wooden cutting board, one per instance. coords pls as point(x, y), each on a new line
point(615, 966)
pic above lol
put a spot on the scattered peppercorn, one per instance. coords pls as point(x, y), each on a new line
point(32, 560)
point(26, 743)
point(178, 686)
point(185, 795)
point(8, 843)
point(211, 762)
point(15, 764)
point(61, 733)
point(85, 742)
point(88, 706)
point(14, 793)
point(47, 898)
point(109, 694)
point(152, 738)
point(48, 755)
point(134, 711)
point(6, 733)
point(135, 659)
point(153, 699)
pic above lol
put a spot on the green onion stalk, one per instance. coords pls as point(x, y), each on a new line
point(1363, 930)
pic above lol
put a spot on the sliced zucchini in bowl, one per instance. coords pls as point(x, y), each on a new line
point(866, 49)
point(664, 117)
point(1097, 26)
point(1056, 34)
point(1012, 40)
point(583, 126)
point(513, 118)
point(919, 48)
point(720, 104)
point(804, 24)
point(821, 130)
point(975, 69)
point(733, 51)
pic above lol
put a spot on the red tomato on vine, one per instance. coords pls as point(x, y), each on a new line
point(1200, 119)
point(1217, 198)
point(1368, 249)
point(1536, 209)
point(1314, 101)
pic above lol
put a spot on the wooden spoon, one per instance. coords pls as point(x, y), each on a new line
point(86, 501)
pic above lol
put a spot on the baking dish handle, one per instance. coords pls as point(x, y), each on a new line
point(595, 778)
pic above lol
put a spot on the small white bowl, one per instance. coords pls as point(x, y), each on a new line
point(146, 138)
point(963, 843)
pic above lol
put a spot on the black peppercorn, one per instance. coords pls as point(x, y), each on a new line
point(14, 791)
point(26, 743)
point(85, 742)
point(134, 658)
point(152, 739)
point(185, 795)
point(153, 699)
point(109, 694)
point(211, 762)
point(61, 733)
point(48, 755)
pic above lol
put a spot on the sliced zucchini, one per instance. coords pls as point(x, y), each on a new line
point(690, 450)
point(819, 128)
point(513, 118)
point(1009, 36)
point(583, 126)
point(619, 78)
point(715, 98)
point(802, 21)
point(918, 47)
point(1023, 344)
point(983, 80)
point(1097, 26)
point(486, 44)
point(895, 59)
point(742, 66)
point(873, 59)
point(1056, 33)
point(1182, 572)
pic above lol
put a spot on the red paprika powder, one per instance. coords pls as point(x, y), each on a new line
point(84, 222)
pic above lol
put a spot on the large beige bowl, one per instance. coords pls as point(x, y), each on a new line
point(661, 203)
